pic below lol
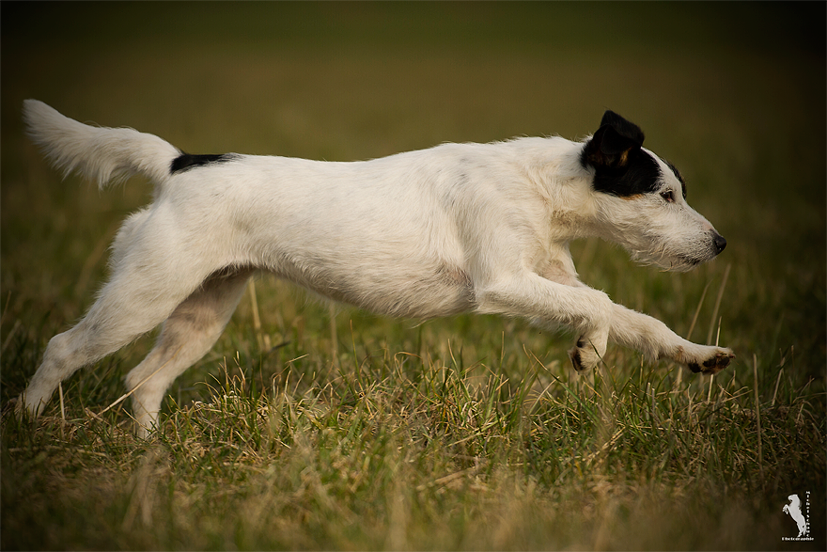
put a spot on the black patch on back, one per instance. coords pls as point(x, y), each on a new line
point(187, 161)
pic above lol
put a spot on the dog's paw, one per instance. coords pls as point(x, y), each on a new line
point(583, 356)
point(576, 360)
point(713, 364)
point(13, 407)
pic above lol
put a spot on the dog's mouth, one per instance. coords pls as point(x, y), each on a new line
point(680, 261)
point(672, 262)
point(687, 263)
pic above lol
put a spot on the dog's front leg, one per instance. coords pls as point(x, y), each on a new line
point(654, 339)
point(531, 296)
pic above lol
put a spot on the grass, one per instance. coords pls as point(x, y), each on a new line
point(465, 433)
point(393, 450)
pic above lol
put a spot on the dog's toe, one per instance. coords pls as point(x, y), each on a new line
point(716, 363)
point(583, 357)
point(576, 360)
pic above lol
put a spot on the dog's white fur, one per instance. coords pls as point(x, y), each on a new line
point(454, 228)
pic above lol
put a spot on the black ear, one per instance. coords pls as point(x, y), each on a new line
point(613, 144)
point(625, 128)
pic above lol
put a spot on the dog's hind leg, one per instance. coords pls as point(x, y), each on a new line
point(142, 293)
point(107, 327)
point(187, 335)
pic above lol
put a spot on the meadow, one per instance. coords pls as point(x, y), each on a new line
point(311, 426)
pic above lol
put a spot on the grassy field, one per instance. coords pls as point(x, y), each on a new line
point(465, 433)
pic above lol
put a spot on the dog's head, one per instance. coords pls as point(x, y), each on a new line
point(641, 200)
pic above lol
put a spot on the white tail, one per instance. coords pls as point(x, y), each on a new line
point(100, 154)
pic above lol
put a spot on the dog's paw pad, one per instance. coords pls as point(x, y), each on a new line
point(583, 356)
point(576, 360)
point(713, 364)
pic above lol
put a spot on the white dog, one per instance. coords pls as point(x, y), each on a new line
point(450, 229)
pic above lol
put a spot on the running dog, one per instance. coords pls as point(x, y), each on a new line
point(455, 228)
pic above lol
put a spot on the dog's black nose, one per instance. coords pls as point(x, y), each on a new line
point(720, 243)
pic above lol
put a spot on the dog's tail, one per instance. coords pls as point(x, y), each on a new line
point(101, 154)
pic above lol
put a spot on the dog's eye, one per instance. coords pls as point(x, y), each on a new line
point(668, 195)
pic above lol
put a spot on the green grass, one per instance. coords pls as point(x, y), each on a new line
point(466, 433)
point(393, 450)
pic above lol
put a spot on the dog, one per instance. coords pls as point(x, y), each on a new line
point(455, 228)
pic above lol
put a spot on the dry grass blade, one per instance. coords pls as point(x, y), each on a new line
point(262, 338)
point(758, 415)
point(140, 384)
point(718, 304)
point(697, 311)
